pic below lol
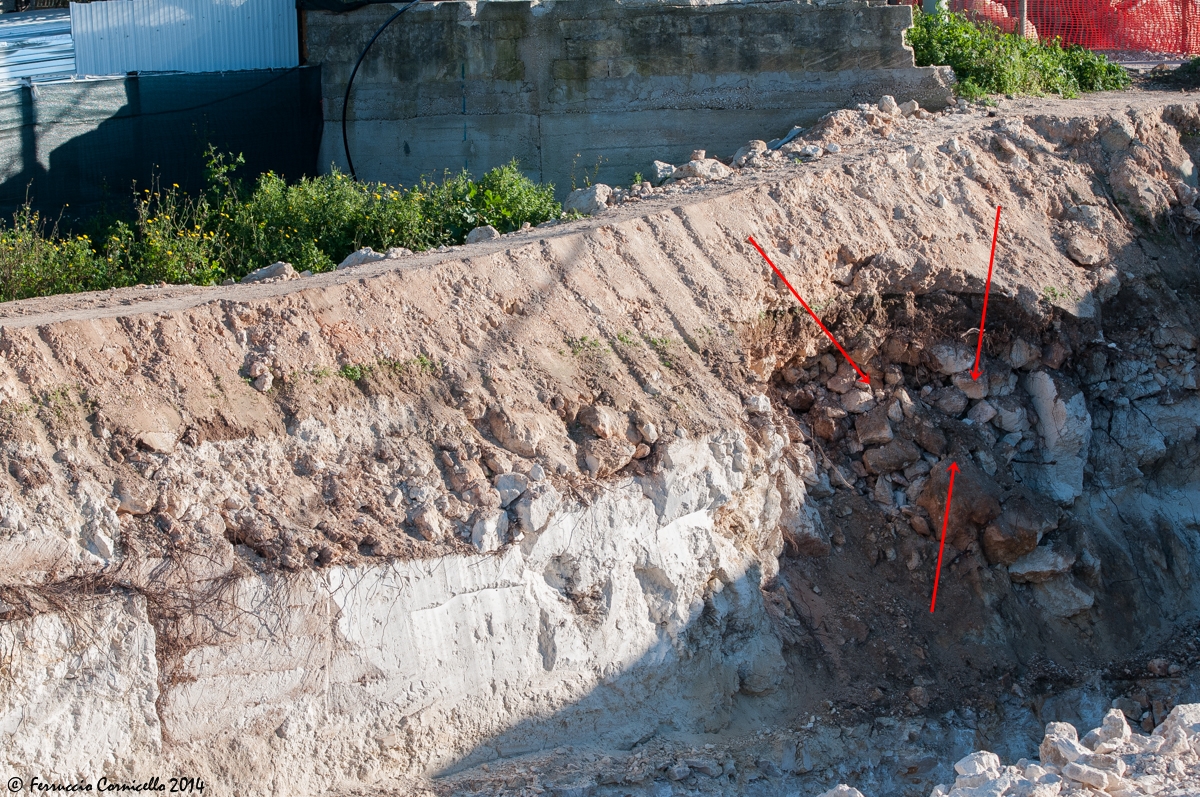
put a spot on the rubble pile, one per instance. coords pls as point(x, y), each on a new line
point(1109, 761)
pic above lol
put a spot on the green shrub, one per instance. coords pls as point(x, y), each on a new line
point(36, 261)
point(987, 61)
point(231, 229)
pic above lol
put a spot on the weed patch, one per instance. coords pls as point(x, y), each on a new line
point(233, 228)
point(988, 61)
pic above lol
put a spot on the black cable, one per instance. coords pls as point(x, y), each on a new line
point(350, 82)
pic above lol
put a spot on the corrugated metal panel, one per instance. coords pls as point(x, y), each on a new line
point(119, 36)
point(35, 44)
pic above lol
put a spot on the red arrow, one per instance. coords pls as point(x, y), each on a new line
point(953, 469)
point(986, 290)
point(862, 376)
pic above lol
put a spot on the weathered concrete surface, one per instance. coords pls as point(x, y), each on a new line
point(566, 86)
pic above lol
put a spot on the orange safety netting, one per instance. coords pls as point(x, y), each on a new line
point(1150, 26)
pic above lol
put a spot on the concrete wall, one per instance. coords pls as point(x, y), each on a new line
point(86, 142)
point(564, 84)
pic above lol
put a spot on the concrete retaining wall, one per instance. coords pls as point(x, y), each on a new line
point(564, 86)
point(87, 142)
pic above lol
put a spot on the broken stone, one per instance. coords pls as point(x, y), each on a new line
point(920, 525)
point(361, 257)
point(602, 421)
point(1061, 597)
point(1060, 746)
point(951, 401)
point(1040, 564)
point(981, 413)
point(824, 418)
point(662, 172)
point(1086, 250)
point(1165, 336)
point(277, 270)
point(708, 169)
point(678, 771)
point(1019, 529)
point(535, 508)
point(930, 438)
point(910, 107)
point(705, 766)
point(951, 358)
point(588, 201)
point(752, 150)
point(1054, 354)
point(1005, 542)
point(429, 522)
point(842, 790)
point(979, 763)
point(510, 486)
point(1185, 717)
point(975, 500)
point(1010, 415)
point(803, 532)
point(758, 405)
point(1115, 728)
point(873, 427)
point(892, 457)
point(488, 532)
point(1130, 708)
point(857, 401)
point(485, 233)
point(887, 104)
point(606, 457)
point(1065, 426)
point(973, 388)
point(883, 492)
point(1089, 775)
point(1022, 353)
point(263, 383)
point(842, 381)
point(519, 433)
point(136, 498)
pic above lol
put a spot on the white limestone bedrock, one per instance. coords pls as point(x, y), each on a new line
point(356, 673)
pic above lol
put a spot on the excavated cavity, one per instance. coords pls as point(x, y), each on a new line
point(605, 486)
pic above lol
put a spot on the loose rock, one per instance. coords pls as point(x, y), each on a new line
point(485, 233)
point(588, 201)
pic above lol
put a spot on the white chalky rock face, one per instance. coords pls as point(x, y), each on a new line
point(416, 647)
point(1065, 426)
point(84, 695)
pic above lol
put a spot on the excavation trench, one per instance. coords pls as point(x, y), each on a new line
point(576, 507)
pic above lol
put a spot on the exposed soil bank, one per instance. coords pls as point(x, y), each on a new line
point(605, 485)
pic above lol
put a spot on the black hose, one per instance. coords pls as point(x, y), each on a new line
point(350, 82)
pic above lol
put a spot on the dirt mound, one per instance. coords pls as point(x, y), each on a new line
point(588, 469)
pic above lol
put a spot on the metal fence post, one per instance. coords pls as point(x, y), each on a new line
point(1022, 13)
